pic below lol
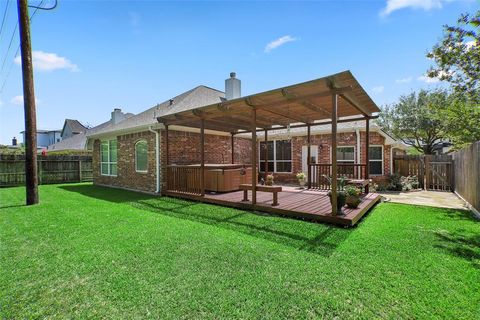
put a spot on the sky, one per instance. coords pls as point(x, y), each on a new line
point(93, 56)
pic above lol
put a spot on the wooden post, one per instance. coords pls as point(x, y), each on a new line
point(254, 156)
point(202, 151)
point(367, 148)
point(309, 156)
point(232, 143)
point(31, 165)
point(334, 153)
point(80, 170)
point(167, 153)
point(266, 156)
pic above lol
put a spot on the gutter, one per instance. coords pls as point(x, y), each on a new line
point(157, 157)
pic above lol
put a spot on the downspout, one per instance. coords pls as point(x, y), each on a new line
point(157, 157)
point(391, 159)
point(357, 134)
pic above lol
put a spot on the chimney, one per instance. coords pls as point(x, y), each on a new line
point(14, 141)
point(232, 87)
point(117, 116)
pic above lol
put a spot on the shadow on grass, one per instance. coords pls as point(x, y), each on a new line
point(306, 236)
point(12, 206)
point(461, 244)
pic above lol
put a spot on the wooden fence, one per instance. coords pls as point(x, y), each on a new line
point(467, 174)
point(434, 172)
point(51, 169)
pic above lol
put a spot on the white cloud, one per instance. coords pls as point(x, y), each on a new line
point(378, 89)
point(45, 61)
point(18, 100)
point(427, 79)
point(404, 80)
point(394, 5)
point(279, 42)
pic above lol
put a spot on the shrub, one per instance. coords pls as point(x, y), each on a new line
point(300, 175)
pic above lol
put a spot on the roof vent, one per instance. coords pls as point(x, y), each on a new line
point(232, 87)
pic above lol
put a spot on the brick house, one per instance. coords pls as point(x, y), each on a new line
point(130, 152)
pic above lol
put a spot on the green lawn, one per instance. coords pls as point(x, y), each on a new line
point(95, 252)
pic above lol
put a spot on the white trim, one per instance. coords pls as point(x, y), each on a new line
point(275, 156)
point(108, 163)
point(376, 160)
point(157, 158)
point(346, 146)
point(136, 160)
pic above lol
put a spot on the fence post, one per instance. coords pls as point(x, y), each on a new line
point(80, 170)
point(40, 171)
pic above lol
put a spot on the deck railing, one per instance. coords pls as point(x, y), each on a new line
point(184, 179)
point(318, 172)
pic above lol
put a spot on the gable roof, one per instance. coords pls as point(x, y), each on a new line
point(74, 125)
point(189, 100)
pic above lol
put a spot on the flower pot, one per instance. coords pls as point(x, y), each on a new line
point(341, 198)
point(353, 201)
point(301, 182)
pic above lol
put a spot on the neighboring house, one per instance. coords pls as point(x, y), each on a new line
point(72, 127)
point(74, 134)
point(124, 155)
point(46, 138)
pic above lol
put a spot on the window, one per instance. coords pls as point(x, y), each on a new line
point(141, 158)
point(108, 158)
point(345, 154)
point(279, 156)
point(345, 157)
point(375, 153)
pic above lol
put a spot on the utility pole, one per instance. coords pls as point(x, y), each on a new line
point(31, 178)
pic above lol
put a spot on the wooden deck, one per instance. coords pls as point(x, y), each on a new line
point(293, 202)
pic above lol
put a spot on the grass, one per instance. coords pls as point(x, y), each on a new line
point(92, 252)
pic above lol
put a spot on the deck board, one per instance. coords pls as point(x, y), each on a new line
point(295, 202)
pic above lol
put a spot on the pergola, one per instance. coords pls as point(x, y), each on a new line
point(328, 100)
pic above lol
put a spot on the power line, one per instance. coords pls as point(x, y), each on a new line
point(4, 17)
point(18, 48)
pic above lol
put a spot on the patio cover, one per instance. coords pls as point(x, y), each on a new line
point(305, 103)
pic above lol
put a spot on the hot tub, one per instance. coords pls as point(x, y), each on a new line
point(226, 177)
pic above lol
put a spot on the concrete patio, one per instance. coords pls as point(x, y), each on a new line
point(426, 198)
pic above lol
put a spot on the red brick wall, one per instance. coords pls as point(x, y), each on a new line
point(185, 149)
point(324, 151)
point(127, 177)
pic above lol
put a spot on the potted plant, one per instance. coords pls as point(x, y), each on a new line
point(353, 196)
point(341, 194)
point(269, 181)
point(301, 179)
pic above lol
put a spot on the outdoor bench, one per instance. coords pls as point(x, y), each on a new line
point(360, 183)
point(272, 189)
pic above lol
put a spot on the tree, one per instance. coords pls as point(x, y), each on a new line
point(415, 120)
point(457, 56)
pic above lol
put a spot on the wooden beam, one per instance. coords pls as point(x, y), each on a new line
point(202, 152)
point(287, 115)
point(315, 108)
point(232, 144)
point(167, 156)
point(266, 156)
point(254, 157)
point(357, 105)
point(334, 154)
point(309, 169)
point(367, 148)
